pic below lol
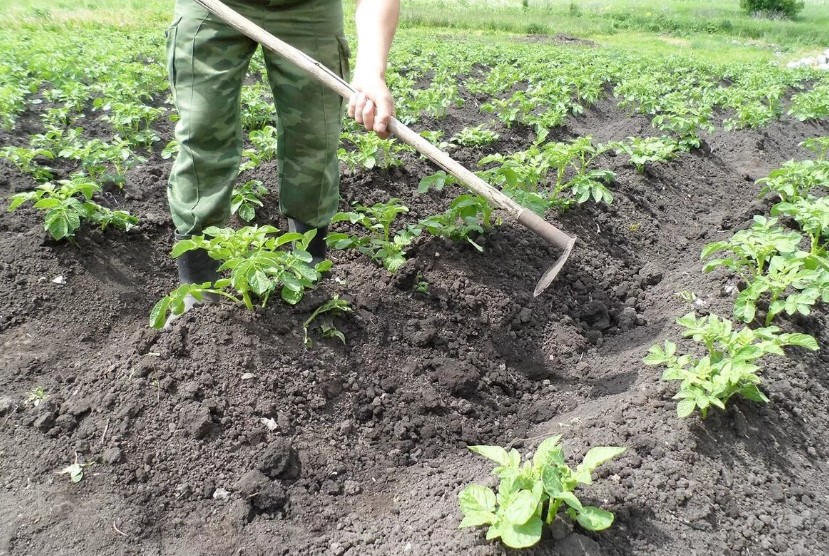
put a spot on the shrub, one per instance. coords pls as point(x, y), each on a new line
point(787, 8)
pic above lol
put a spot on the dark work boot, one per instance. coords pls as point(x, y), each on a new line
point(195, 267)
point(317, 247)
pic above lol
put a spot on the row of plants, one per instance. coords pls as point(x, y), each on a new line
point(783, 268)
point(126, 88)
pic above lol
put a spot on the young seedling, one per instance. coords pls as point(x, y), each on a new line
point(819, 146)
point(246, 198)
point(36, 396)
point(728, 368)
point(96, 157)
point(370, 151)
point(258, 267)
point(477, 136)
point(522, 175)
point(812, 214)
point(257, 112)
point(132, 121)
point(170, 150)
point(466, 215)
point(811, 105)
point(435, 137)
point(379, 244)
point(75, 471)
point(748, 251)
point(796, 179)
point(68, 204)
point(794, 282)
point(686, 121)
point(530, 495)
point(25, 160)
point(644, 150)
point(421, 285)
point(327, 311)
point(264, 148)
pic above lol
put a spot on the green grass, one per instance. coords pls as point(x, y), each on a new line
point(122, 13)
point(701, 22)
point(708, 29)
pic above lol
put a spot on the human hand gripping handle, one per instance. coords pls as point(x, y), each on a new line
point(371, 103)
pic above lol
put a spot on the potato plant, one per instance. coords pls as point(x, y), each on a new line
point(553, 174)
point(796, 179)
point(477, 136)
point(685, 122)
point(67, 204)
point(644, 150)
point(257, 110)
point(468, 215)
point(748, 252)
point(812, 215)
point(729, 365)
point(811, 105)
point(324, 316)
point(132, 120)
point(379, 244)
point(258, 267)
point(246, 197)
point(26, 161)
point(103, 161)
point(793, 283)
point(264, 143)
point(819, 146)
point(531, 494)
point(370, 151)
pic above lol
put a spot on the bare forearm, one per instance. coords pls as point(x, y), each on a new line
point(376, 22)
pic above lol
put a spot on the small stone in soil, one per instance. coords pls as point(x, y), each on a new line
point(250, 483)
point(650, 275)
point(627, 318)
point(239, 513)
point(195, 420)
point(279, 460)
point(221, 494)
point(112, 455)
point(578, 545)
point(458, 377)
point(271, 497)
point(352, 487)
point(560, 529)
point(45, 422)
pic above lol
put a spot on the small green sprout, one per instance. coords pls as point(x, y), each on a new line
point(36, 396)
point(326, 313)
point(530, 495)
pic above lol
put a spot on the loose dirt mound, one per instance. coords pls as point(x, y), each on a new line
point(226, 436)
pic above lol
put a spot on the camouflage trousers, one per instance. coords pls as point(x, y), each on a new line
point(207, 62)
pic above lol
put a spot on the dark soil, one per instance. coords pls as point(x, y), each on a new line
point(225, 435)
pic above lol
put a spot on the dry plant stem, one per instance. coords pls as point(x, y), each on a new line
point(103, 436)
point(117, 530)
point(12, 412)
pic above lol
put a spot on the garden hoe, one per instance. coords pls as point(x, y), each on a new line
point(541, 227)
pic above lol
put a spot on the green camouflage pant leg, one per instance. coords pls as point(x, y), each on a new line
point(208, 60)
point(309, 118)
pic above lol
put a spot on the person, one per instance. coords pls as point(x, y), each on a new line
point(207, 63)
